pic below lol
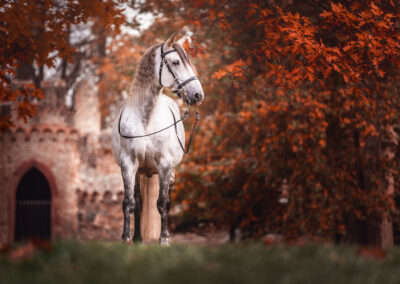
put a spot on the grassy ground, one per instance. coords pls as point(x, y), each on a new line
point(74, 262)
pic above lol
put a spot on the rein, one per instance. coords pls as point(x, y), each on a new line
point(191, 132)
point(180, 91)
point(185, 115)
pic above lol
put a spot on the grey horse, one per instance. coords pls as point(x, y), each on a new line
point(147, 134)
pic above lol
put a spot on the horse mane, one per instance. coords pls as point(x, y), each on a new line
point(144, 74)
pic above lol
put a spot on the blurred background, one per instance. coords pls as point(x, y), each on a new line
point(298, 136)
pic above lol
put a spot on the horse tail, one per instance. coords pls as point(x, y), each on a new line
point(150, 220)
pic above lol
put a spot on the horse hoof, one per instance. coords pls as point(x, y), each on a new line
point(137, 240)
point(164, 242)
point(126, 240)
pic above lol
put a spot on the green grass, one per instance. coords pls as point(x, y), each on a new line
point(77, 262)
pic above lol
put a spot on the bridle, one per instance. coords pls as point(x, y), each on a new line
point(180, 92)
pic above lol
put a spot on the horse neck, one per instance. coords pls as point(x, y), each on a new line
point(142, 99)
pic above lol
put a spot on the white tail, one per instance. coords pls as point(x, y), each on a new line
point(150, 221)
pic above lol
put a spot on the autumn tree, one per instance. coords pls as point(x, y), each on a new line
point(303, 99)
point(34, 35)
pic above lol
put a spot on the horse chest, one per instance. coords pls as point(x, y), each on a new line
point(148, 158)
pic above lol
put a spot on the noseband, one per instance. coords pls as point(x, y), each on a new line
point(179, 90)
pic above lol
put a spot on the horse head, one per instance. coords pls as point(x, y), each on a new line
point(176, 72)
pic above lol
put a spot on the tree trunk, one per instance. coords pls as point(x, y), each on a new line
point(150, 221)
point(376, 230)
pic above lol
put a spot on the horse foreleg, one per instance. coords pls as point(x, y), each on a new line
point(138, 210)
point(128, 170)
point(163, 204)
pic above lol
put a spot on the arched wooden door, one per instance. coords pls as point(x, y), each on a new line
point(33, 207)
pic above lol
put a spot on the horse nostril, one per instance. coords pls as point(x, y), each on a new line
point(197, 96)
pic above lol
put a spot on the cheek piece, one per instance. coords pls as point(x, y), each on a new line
point(180, 90)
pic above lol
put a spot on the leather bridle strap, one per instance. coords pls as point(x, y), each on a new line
point(162, 63)
point(180, 86)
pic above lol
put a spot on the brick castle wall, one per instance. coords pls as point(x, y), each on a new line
point(74, 154)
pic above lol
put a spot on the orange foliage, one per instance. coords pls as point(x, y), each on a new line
point(296, 92)
point(31, 33)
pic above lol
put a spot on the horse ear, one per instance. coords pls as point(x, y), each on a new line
point(182, 40)
point(171, 40)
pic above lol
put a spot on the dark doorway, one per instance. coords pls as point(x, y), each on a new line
point(33, 207)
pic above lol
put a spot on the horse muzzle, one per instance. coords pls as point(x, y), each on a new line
point(195, 98)
point(190, 99)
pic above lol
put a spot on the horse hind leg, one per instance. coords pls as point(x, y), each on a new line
point(164, 204)
point(138, 210)
point(128, 170)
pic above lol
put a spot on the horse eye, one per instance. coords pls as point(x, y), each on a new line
point(175, 62)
